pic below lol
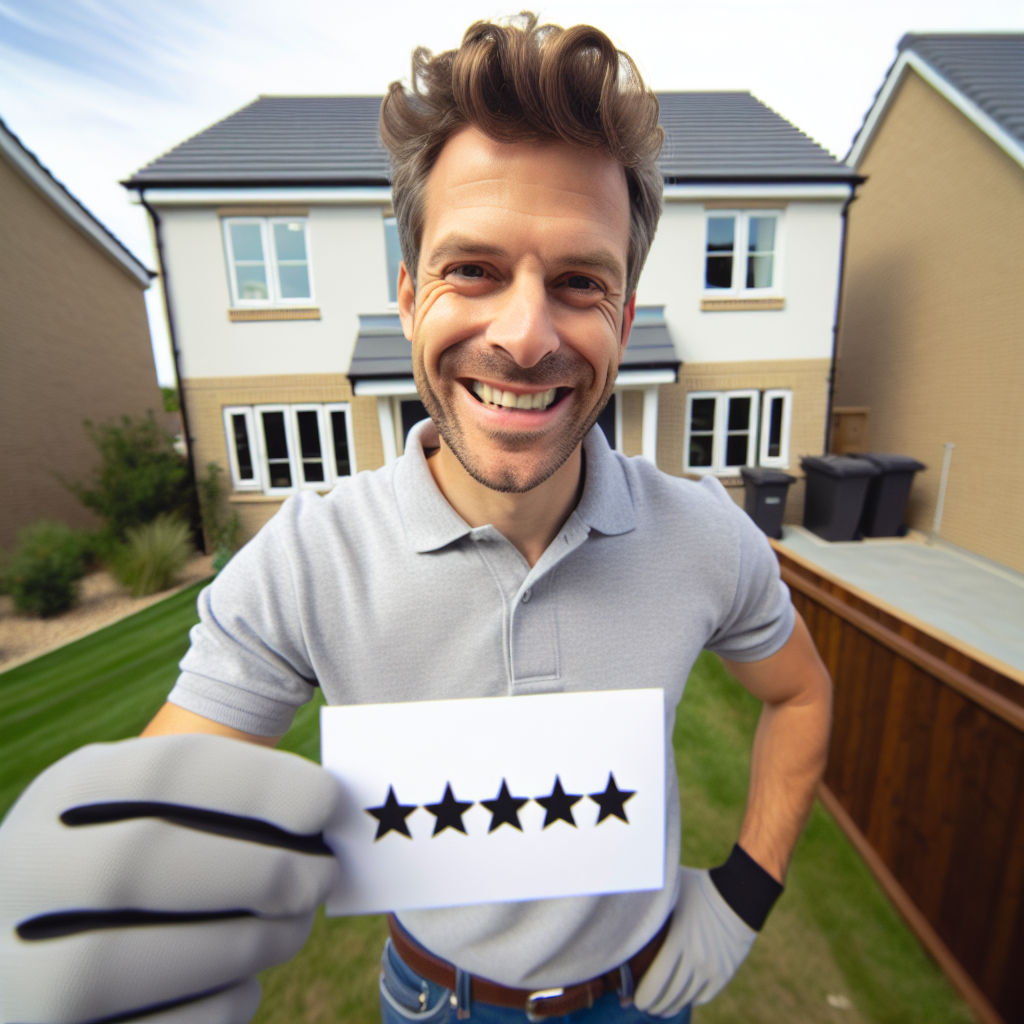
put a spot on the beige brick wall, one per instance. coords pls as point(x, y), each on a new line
point(74, 345)
point(631, 408)
point(931, 333)
point(205, 398)
point(806, 378)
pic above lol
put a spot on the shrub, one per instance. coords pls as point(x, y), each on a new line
point(44, 573)
point(170, 399)
point(152, 556)
point(220, 529)
point(140, 475)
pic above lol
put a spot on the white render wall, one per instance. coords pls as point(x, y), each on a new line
point(349, 270)
point(808, 274)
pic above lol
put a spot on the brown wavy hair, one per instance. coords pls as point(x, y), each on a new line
point(524, 82)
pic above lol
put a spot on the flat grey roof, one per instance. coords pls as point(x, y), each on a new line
point(987, 67)
point(334, 140)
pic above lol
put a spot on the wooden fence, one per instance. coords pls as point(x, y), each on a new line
point(926, 777)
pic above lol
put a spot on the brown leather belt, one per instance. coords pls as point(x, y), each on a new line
point(553, 1002)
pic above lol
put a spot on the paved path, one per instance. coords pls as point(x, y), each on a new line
point(975, 601)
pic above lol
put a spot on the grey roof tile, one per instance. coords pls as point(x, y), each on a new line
point(987, 67)
point(333, 140)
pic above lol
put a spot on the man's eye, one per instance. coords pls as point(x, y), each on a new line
point(579, 282)
point(470, 270)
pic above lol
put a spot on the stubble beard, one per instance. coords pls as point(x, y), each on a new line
point(555, 369)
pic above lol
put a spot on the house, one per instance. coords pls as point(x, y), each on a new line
point(74, 341)
point(931, 331)
point(280, 255)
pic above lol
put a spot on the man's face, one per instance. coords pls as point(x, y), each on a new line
point(519, 302)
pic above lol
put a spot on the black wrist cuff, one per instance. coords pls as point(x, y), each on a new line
point(746, 887)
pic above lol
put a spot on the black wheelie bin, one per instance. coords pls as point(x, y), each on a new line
point(765, 498)
point(886, 501)
point(836, 488)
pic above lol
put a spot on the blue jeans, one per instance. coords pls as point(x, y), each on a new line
point(405, 997)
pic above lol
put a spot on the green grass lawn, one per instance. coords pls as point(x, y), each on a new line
point(833, 932)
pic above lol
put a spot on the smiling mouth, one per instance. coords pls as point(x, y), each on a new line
point(495, 398)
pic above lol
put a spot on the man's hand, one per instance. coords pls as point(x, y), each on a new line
point(159, 873)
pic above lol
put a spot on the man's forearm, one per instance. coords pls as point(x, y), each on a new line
point(790, 748)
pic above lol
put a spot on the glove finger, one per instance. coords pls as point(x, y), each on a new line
point(151, 864)
point(676, 990)
point(191, 770)
point(101, 973)
point(237, 1005)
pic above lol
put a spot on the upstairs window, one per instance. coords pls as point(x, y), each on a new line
point(279, 449)
point(394, 256)
point(726, 430)
point(268, 260)
point(741, 252)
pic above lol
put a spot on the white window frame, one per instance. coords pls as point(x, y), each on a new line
point(261, 467)
point(346, 408)
point(255, 484)
point(780, 461)
point(740, 255)
point(270, 261)
point(720, 431)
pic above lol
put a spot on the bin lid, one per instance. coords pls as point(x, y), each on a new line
point(758, 475)
point(839, 465)
point(894, 463)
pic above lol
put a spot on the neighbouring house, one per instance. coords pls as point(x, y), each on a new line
point(280, 256)
point(931, 329)
point(74, 341)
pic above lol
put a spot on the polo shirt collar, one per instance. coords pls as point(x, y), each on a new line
point(431, 523)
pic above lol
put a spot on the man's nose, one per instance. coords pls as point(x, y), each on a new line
point(522, 323)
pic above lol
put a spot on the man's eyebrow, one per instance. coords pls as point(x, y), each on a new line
point(461, 246)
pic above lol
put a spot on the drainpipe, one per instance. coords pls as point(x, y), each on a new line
point(154, 217)
point(835, 324)
point(940, 504)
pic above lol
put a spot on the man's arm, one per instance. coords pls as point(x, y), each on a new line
point(790, 746)
point(171, 719)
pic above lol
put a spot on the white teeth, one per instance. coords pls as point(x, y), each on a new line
point(496, 398)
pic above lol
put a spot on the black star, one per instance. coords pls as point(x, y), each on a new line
point(559, 804)
point(612, 800)
point(504, 808)
point(449, 812)
point(391, 815)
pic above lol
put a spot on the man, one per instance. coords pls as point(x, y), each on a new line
point(508, 552)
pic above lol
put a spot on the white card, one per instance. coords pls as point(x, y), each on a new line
point(404, 845)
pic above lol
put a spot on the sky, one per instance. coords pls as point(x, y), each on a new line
point(99, 88)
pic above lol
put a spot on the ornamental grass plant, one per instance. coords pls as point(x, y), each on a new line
point(153, 555)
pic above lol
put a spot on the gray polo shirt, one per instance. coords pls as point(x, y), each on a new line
point(380, 592)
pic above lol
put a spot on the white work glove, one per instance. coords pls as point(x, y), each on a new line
point(159, 873)
point(706, 943)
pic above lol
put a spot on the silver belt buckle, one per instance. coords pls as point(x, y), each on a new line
point(535, 997)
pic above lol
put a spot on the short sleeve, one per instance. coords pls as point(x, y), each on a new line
point(762, 616)
point(248, 667)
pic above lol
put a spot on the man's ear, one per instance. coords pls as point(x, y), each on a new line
point(406, 299)
point(628, 316)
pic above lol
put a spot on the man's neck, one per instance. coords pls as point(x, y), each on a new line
point(531, 521)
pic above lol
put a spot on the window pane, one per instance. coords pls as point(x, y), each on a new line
point(739, 414)
point(342, 465)
point(413, 411)
point(721, 233)
point(309, 434)
point(290, 241)
point(702, 414)
point(252, 282)
point(294, 281)
point(775, 429)
point(394, 256)
point(273, 431)
point(761, 237)
point(243, 453)
point(606, 421)
point(719, 272)
point(700, 450)
point(736, 450)
point(247, 242)
point(759, 271)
